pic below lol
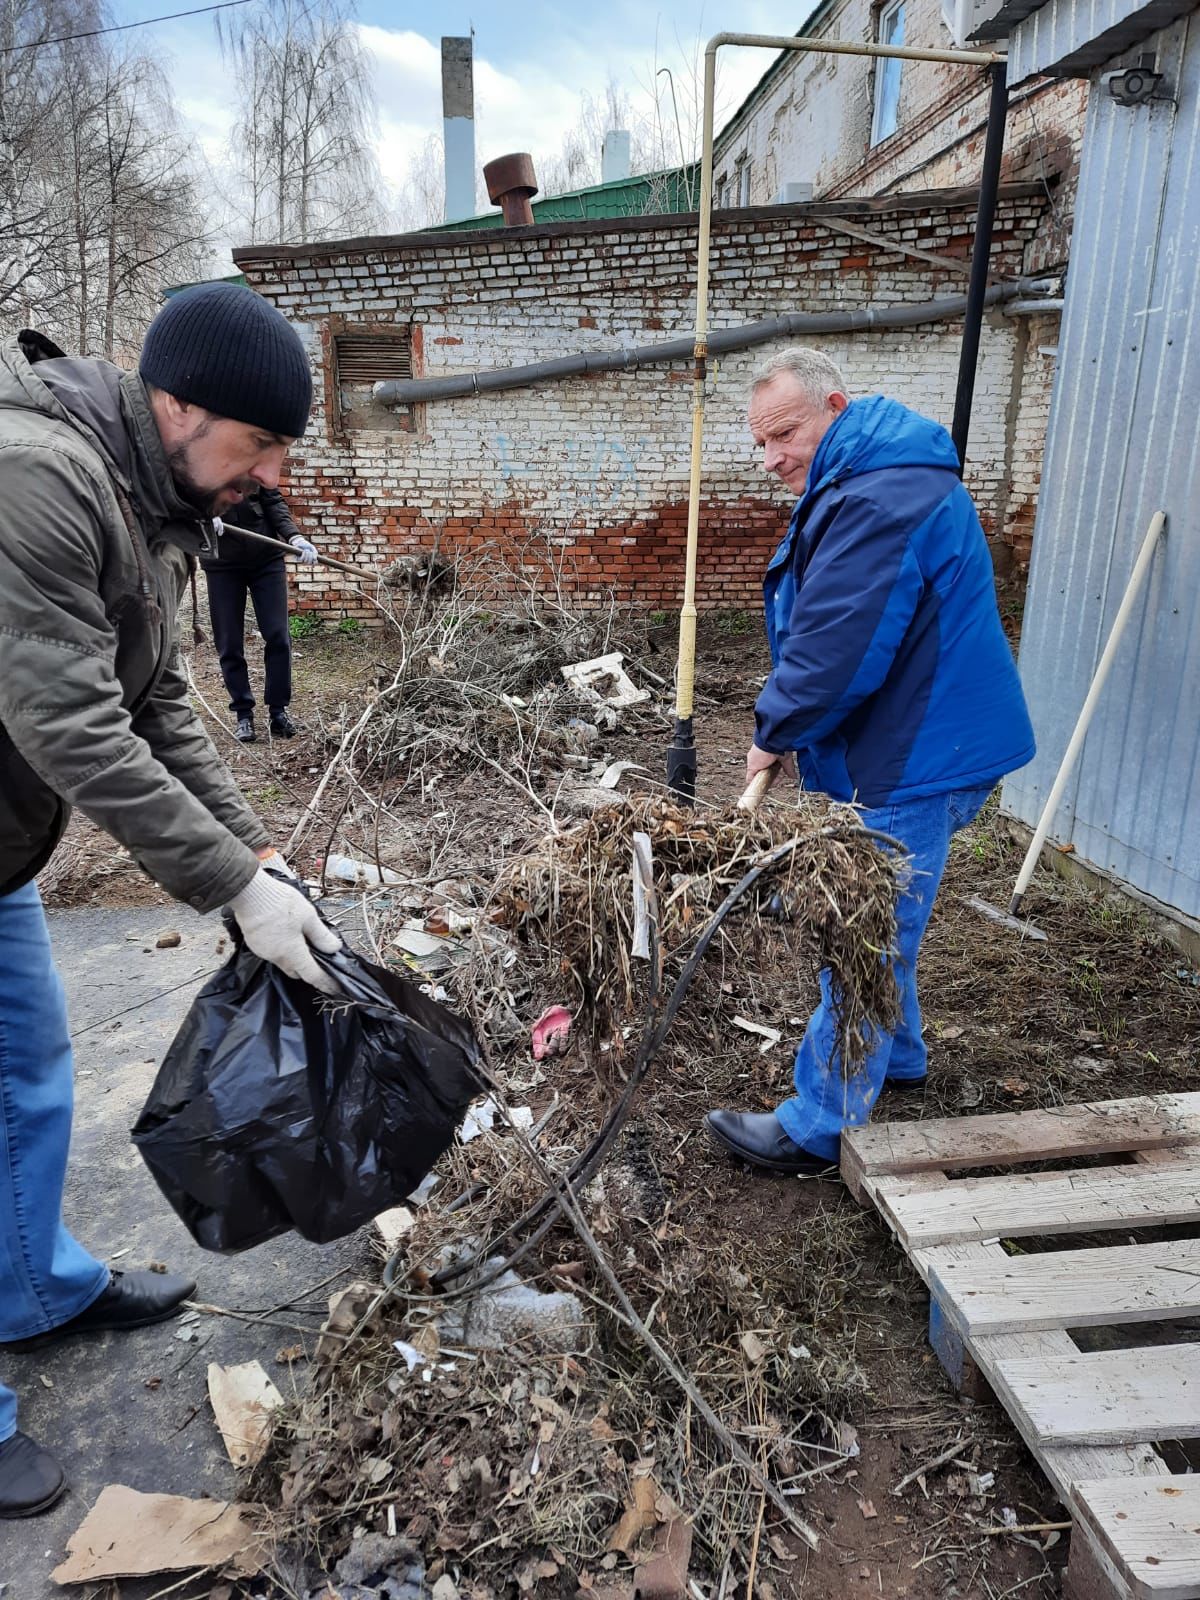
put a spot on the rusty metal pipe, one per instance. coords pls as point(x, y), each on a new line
point(511, 185)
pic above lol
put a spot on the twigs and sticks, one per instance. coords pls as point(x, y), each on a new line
point(940, 1460)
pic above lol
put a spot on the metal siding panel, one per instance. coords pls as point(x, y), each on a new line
point(1074, 35)
point(1135, 786)
point(1123, 442)
point(1082, 470)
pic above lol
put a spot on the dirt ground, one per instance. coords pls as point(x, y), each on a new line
point(1103, 1009)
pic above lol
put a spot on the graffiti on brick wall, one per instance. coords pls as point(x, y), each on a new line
point(597, 470)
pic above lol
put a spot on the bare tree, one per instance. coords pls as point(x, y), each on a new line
point(576, 164)
point(302, 151)
point(98, 205)
point(152, 223)
point(422, 194)
point(30, 95)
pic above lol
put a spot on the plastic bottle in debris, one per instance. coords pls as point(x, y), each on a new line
point(345, 869)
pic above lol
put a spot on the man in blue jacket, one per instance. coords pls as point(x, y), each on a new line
point(892, 686)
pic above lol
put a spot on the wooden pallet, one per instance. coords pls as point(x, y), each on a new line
point(1091, 1419)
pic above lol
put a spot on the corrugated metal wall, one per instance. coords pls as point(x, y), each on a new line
point(1124, 441)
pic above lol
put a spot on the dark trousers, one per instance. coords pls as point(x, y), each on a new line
point(267, 588)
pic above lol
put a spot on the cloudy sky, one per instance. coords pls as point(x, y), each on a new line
point(533, 62)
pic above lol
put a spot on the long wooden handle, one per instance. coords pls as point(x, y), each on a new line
point(1141, 567)
point(756, 789)
point(326, 561)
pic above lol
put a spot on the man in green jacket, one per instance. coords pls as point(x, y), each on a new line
point(108, 482)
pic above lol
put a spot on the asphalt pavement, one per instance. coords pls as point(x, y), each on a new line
point(133, 1408)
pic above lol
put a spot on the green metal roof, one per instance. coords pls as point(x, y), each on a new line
point(178, 288)
point(675, 189)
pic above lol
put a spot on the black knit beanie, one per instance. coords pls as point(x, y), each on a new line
point(227, 349)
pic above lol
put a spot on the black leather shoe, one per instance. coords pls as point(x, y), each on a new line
point(30, 1479)
point(132, 1300)
point(758, 1137)
point(245, 730)
point(906, 1083)
point(282, 726)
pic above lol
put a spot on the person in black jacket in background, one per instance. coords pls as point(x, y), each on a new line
point(244, 567)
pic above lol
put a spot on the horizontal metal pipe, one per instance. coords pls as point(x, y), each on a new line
point(1050, 307)
point(795, 324)
point(848, 47)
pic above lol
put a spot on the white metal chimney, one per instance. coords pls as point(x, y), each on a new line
point(615, 157)
point(458, 127)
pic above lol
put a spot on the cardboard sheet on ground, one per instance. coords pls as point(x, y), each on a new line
point(662, 1569)
point(243, 1398)
point(127, 1534)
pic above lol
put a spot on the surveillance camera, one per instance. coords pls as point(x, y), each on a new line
point(1135, 86)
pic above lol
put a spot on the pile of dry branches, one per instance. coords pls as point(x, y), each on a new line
point(476, 680)
point(517, 1466)
point(513, 1466)
point(569, 899)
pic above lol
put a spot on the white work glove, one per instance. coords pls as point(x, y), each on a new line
point(270, 857)
point(278, 923)
point(306, 551)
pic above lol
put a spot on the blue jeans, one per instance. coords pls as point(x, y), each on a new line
point(825, 1102)
point(46, 1278)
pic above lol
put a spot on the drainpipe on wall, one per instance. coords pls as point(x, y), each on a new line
point(989, 185)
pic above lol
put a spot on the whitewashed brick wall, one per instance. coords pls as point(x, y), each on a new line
point(589, 475)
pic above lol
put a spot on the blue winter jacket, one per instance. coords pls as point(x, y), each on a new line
point(892, 676)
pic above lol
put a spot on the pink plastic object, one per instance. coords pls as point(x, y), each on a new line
point(551, 1032)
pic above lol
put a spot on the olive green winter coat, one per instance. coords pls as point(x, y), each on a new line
point(95, 551)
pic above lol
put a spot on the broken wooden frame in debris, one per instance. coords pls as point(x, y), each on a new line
point(1092, 1418)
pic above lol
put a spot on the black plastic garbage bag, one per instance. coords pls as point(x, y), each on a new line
point(276, 1108)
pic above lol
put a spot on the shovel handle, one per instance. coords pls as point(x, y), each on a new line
point(756, 790)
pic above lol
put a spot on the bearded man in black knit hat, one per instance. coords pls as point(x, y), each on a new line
point(109, 481)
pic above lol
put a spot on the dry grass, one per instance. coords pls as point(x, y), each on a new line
point(569, 899)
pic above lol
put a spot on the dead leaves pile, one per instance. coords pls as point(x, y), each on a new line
point(502, 1460)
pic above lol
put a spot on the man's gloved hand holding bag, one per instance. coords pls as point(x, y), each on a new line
point(276, 1108)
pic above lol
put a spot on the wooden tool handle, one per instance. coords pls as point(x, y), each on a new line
point(360, 573)
point(756, 789)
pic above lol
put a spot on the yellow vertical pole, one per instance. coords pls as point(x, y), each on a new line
point(681, 756)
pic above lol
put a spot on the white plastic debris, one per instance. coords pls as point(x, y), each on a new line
point(345, 869)
point(479, 1119)
point(605, 678)
point(424, 1189)
point(615, 771)
point(643, 895)
point(428, 953)
point(769, 1036)
point(413, 1357)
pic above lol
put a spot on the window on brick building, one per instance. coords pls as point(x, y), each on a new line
point(743, 181)
point(721, 192)
point(361, 358)
point(887, 73)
